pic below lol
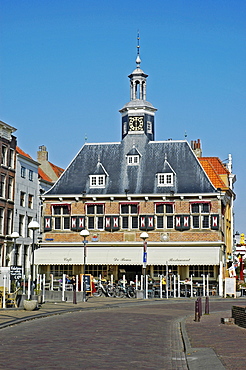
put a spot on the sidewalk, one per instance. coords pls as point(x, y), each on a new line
point(208, 343)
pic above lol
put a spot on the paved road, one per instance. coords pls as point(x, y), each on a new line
point(139, 336)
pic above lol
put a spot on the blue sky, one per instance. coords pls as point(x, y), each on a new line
point(64, 67)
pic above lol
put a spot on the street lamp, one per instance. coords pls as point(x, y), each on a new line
point(84, 233)
point(14, 236)
point(144, 236)
point(33, 225)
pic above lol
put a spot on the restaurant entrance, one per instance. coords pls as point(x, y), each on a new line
point(130, 272)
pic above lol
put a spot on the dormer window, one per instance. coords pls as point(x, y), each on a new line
point(97, 181)
point(165, 179)
point(133, 159)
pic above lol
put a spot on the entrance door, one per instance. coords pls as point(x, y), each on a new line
point(130, 271)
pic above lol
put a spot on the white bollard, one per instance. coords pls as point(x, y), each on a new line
point(141, 282)
point(77, 283)
point(208, 285)
point(124, 281)
point(43, 288)
point(51, 282)
point(191, 286)
point(63, 286)
point(146, 287)
point(160, 276)
point(204, 285)
point(112, 280)
point(136, 282)
point(178, 286)
point(174, 286)
point(29, 287)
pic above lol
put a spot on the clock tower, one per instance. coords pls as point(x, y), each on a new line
point(138, 115)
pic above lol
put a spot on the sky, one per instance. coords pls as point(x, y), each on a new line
point(64, 69)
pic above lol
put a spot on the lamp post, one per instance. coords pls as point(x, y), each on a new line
point(84, 233)
point(14, 236)
point(144, 236)
point(33, 225)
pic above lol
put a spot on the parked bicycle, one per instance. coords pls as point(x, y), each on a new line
point(125, 291)
point(107, 290)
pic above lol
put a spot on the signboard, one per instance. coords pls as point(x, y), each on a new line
point(15, 272)
point(87, 282)
point(230, 286)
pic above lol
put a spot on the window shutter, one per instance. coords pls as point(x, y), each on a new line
point(47, 223)
point(112, 223)
point(146, 222)
point(215, 222)
point(77, 223)
point(182, 222)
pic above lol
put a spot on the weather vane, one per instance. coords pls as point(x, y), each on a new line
point(138, 60)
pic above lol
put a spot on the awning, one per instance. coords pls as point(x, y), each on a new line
point(128, 255)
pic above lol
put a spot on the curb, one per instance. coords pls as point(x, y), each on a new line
point(199, 358)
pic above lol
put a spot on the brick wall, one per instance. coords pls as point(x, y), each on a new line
point(239, 315)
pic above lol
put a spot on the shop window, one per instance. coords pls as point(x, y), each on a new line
point(199, 271)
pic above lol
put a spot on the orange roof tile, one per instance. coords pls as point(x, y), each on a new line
point(213, 168)
point(20, 151)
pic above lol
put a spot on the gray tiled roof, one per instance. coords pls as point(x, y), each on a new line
point(156, 157)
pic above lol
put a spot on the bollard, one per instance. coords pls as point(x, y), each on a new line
point(207, 306)
point(197, 316)
point(200, 306)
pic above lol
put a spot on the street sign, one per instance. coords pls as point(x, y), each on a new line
point(145, 257)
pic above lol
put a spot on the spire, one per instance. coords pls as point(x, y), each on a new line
point(138, 60)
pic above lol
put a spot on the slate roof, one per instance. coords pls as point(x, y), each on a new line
point(156, 156)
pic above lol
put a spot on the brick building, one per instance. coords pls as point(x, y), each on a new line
point(118, 190)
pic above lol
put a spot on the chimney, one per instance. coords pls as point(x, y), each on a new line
point(42, 154)
point(196, 147)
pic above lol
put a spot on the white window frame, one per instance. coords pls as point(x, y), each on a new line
point(165, 179)
point(23, 172)
point(133, 160)
point(97, 181)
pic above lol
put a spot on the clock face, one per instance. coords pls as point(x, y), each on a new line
point(136, 123)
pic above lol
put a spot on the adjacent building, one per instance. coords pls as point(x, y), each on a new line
point(7, 183)
point(118, 190)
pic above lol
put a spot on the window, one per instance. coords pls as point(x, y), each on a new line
point(30, 175)
point(28, 231)
point(199, 217)
point(58, 270)
point(129, 216)
point(4, 155)
point(165, 179)
point(21, 225)
point(30, 201)
point(61, 217)
point(2, 186)
point(10, 188)
point(133, 159)
point(161, 270)
point(95, 219)
point(149, 127)
point(23, 172)
point(11, 158)
point(198, 271)
point(97, 181)
point(22, 198)
point(164, 219)
point(1, 221)
point(9, 221)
